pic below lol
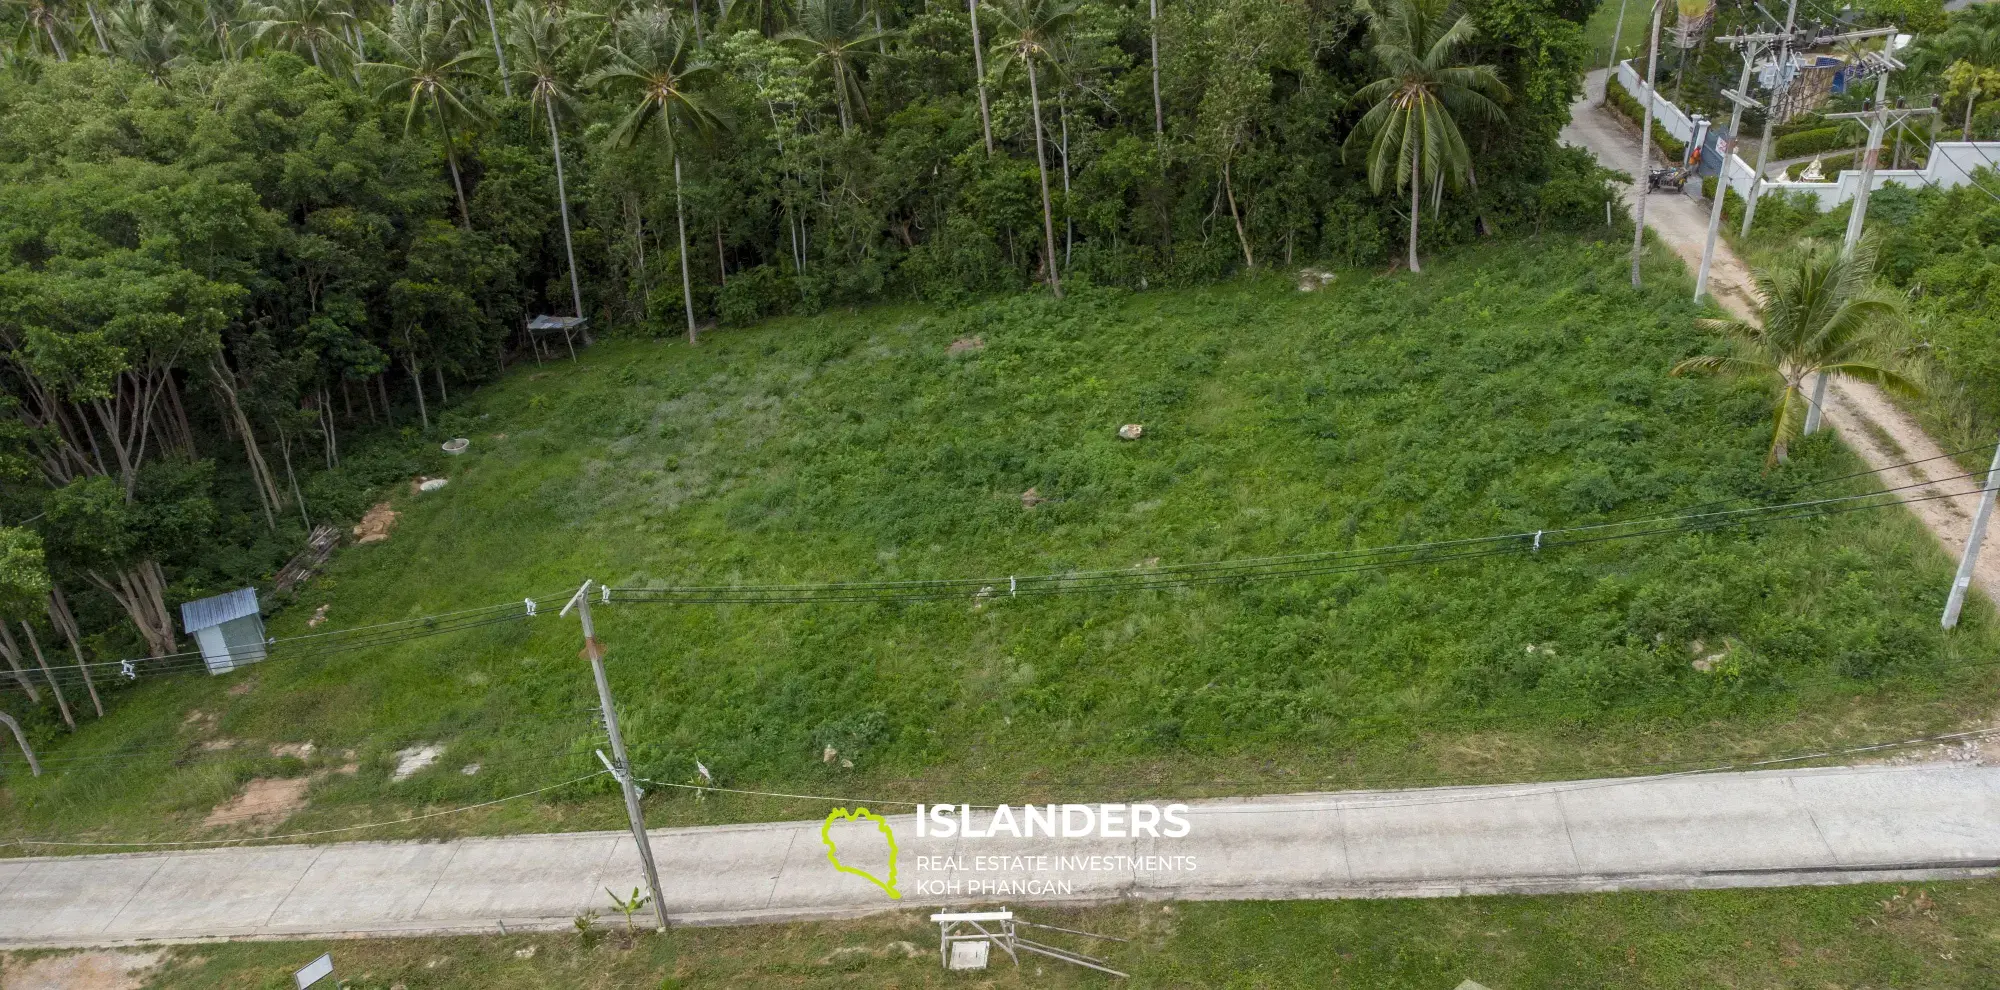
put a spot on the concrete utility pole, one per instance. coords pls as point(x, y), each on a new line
point(1640, 184)
point(1877, 114)
point(621, 767)
point(1970, 561)
point(1782, 85)
point(1752, 45)
point(1611, 64)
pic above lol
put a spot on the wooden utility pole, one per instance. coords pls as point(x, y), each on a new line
point(621, 768)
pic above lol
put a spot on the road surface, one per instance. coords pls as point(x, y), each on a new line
point(1771, 828)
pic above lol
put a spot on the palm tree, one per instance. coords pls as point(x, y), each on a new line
point(44, 18)
point(653, 62)
point(318, 26)
point(540, 40)
point(1030, 31)
point(1818, 313)
point(428, 59)
point(1412, 125)
point(835, 34)
point(144, 36)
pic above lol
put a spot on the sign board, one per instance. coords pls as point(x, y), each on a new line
point(315, 971)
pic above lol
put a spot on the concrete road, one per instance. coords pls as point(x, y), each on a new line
point(1884, 436)
point(1719, 830)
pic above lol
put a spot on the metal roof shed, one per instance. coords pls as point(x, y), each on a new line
point(228, 627)
point(569, 326)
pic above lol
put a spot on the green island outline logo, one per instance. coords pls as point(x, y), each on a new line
point(832, 856)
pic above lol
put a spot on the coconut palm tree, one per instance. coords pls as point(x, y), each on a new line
point(319, 27)
point(1030, 31)
point(145, 36)
point(836, 34)
point(540, 40)
point(43, 19)
point(1411, 126)
point(653, 63)
point(1818, 313)
point(428, 60)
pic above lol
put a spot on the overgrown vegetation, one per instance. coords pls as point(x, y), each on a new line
point(242, 239)
point(1517, 387)
point(1879, 935)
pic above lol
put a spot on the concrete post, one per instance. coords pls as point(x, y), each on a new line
point(594, 650)
point(1970, 560)
point(1639, 181)
point(1722, 171)
point(1857, 218)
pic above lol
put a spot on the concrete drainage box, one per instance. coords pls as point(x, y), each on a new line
point(969, 955)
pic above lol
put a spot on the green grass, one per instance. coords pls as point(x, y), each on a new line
point(1516, 387)
point(1631, 38)
point(1928, 935)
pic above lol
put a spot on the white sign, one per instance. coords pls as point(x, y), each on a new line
point(315, 971)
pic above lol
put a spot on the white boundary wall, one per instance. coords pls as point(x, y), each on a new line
point(1950, 166)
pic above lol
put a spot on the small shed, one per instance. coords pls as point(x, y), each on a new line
point(229, 629)
point(546, 327)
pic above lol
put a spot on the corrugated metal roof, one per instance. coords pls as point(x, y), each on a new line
point(215, 611)
point(556, 322)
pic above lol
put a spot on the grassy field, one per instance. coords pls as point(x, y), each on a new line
point(1837, 938)
point(1631, 39)
point(1516, 387)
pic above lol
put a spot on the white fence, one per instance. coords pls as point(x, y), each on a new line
point(1951, 163)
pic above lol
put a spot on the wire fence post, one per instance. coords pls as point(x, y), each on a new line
point(1970, 561)
point(622, 768)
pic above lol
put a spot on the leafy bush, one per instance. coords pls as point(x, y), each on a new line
point(1814, 141)
point(1629, 107)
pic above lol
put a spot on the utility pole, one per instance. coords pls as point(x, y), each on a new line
point(1640, 183)
point(621, 767)
point(1611, 64)
point(1877, 112)
point(1779, 88)
point(1970, 561)
point(1752, 45)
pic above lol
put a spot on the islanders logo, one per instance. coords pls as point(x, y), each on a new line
point(839, 815)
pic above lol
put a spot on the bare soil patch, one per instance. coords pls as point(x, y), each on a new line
point(375, 526)
point(81, 971)
point(264, 801)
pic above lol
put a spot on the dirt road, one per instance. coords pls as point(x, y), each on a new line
point(1871, 425)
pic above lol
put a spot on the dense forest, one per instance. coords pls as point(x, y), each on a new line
point(240, 239)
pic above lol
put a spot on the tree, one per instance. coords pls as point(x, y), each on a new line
point(653, 62)
point(316, 26)
point(429, 61)
point(1818, 312)
point(835, 34)
point(43, 19)
point(540, 40)
point(143, 35)
point(1411, 126)
point(1030, 31)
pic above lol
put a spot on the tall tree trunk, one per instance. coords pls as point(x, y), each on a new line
point(1971, 99)
point(260, 470)
point(979, 67)
point(1069, 222)
point(1416, 203)
point(97, 26)
point(50, 26)
point(499, 56)
point(1041, 166)
point(285, 451)
point(65, 621)
point(451, 158)
point(680, 221)
point(416, 383)
point(1159, 115)
point(562, 199)
point(61, 702)
point(444, 397)
point(12, 650)
point(140, 590)
point(1243, 239)
point(382, 390)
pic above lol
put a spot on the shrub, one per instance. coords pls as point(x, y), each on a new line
point(1628, 106)
point(1812, 142)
